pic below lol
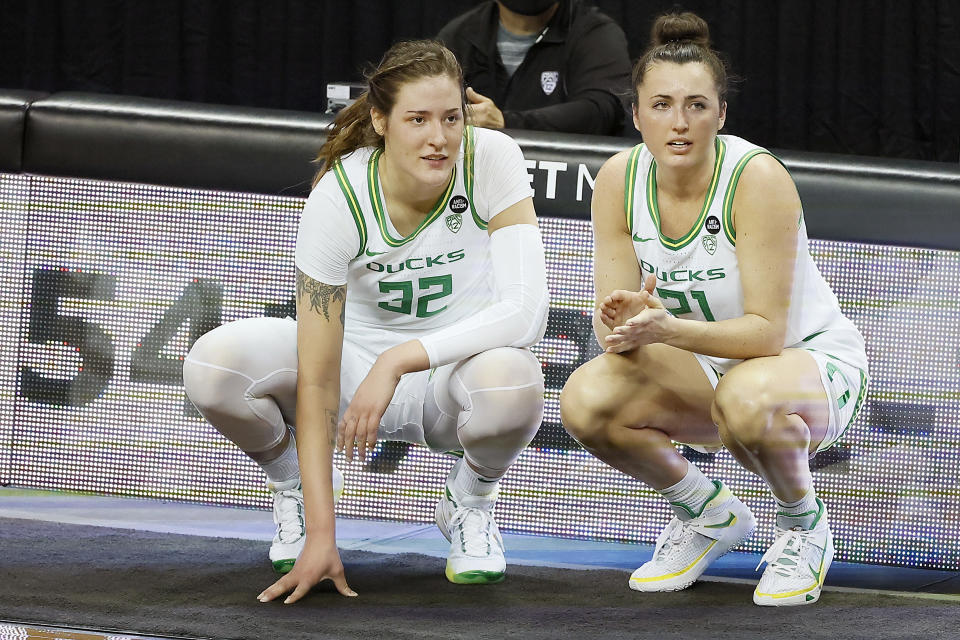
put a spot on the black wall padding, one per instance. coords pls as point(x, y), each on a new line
point(13, 109)
point(902, 202)
point(173, 143)
point(851, 198)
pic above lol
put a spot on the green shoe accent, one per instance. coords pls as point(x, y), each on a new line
point(717, 491)
point(284, 566)
point(797, 520)
point(449, 494)
point(809, 597)
point(819, 513)
point(723, 525)
point(475, 577)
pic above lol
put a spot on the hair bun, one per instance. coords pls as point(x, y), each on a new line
point(680, 27)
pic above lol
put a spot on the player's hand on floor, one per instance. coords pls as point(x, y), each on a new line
point(314, 565)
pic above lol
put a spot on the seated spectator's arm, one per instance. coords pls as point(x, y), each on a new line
point(597, 77)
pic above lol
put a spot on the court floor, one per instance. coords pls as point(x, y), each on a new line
point(396, 538)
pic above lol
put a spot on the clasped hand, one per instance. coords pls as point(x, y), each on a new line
point(635, 318)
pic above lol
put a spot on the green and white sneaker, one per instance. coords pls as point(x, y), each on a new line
point(476, 547)
point(688, 546)
point(798, 561)
point(288, 516)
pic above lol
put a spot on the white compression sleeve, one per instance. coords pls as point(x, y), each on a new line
point(518, 318)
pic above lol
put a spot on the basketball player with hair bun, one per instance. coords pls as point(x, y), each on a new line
point(718, 329)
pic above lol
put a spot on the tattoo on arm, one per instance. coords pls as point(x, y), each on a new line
point(331, 427)
point(319, 295)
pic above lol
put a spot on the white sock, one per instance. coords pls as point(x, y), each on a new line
point(690, 494)
point(469, 482)
point(285, 466)
point(802, 513)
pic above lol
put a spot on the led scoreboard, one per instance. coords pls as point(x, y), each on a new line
point(106, 285)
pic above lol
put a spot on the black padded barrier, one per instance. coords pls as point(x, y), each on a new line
point(13, 115)
point(909, 203)
point(850, 198)
point(173, 143)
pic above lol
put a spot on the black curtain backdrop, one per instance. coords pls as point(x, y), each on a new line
point(869, 77)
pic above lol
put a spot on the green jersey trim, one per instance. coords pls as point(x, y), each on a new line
point(469, 169)
point(630, 186)
point(653, 205)
point(864, 383)
point(728, 228)
point(861, 395)
point(380, 212)
point(353, 204)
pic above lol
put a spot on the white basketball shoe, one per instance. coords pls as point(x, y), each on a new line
point(288, 516)
point(476, 547)
point(687, 547)
point(798, 561)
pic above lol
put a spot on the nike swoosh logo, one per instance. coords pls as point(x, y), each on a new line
point(637, 238)
point(723, 525)
point(374, 254)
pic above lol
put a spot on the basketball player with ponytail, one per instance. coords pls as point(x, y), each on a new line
point(718, 329)
point(420, 283)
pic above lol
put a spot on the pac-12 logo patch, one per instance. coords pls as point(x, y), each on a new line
point(710, 244)
point(712, 225)
point(454, 222)
point(458, 204)
point(549, 80)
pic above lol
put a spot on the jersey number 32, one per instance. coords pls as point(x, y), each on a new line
point(429, 289)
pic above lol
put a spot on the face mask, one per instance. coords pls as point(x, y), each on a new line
point(528, 7)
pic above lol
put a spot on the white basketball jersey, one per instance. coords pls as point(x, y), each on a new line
point(698, 275)
point(401, 287)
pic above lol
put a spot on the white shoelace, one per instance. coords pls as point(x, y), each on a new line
point(475, 531)
point(288, 512)
point(670, 539)
point(784, 556)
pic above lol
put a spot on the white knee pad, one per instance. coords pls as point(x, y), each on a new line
point(242, 377)
point(498, 399)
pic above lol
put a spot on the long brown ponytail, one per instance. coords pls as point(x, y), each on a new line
point(403, 62)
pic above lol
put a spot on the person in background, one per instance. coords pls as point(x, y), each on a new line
point(543, 65)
